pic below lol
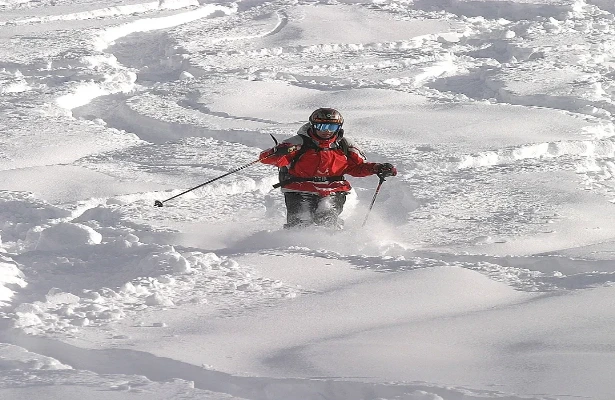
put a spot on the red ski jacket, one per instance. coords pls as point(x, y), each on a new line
point(322, 159)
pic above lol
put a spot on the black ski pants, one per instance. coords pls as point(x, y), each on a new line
point(304, 209)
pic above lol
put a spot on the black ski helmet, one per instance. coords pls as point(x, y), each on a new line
point(326, 116)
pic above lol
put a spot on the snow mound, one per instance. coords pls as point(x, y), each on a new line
point(66, 235)
point(102, 215)
point(10, 276)
point(97, 270)
point(20, 213)
point(15, 357)
point(13, 2)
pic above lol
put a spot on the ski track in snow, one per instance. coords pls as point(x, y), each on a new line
point(129, 362)
point(112, 81)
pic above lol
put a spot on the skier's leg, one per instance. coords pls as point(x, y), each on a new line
point(300, 209)
point(329, 209)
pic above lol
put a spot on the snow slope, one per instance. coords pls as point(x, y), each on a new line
point(486, 266)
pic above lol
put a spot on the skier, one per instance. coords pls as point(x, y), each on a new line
point(312, 166)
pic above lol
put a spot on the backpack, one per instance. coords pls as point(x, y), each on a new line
point(285, 177)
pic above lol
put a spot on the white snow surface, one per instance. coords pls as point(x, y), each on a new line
point(485, 269)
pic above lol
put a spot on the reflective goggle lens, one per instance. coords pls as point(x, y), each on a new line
point(327, 127)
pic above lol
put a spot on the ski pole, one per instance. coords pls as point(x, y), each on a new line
point(159, 203)
point(374, 198)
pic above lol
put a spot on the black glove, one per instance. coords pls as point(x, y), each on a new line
point(385, 170)
point(285, 148)
point(280, 150)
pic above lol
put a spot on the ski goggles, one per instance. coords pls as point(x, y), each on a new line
point(327, 127)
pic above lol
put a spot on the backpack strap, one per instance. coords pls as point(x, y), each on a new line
point(305, 146)
point(343, 143)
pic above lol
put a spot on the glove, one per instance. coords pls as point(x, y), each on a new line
point(385, 170)
point(280, 150)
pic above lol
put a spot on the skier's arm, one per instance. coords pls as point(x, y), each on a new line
point(282, 154)
point(357, 166)
point(361, 169)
